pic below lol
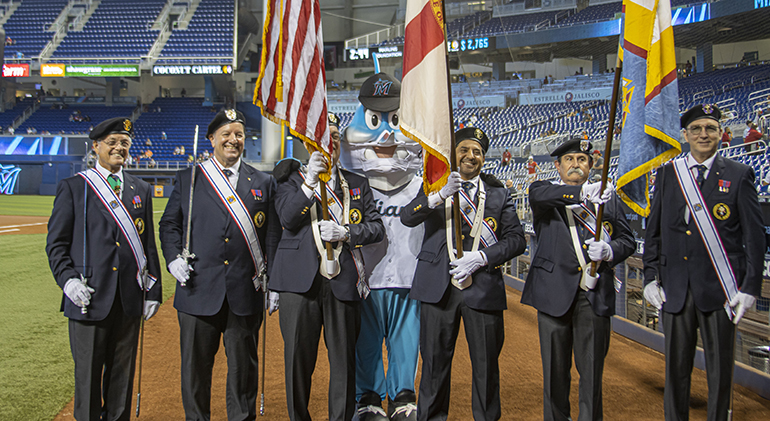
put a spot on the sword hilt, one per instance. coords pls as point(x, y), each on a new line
point(187, 256)
point(262, 403)
point(138, 398)
point(84, 309)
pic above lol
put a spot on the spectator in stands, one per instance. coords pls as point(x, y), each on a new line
point(509, 184)
point(163, 135)
point(680, 279)
point(766, 179)
point(206, 155)
point(746, 130)
point(506, 157)
point(727, 138)
point(90, 128)
point(176, 150)
point(584, 135)
point(752, 136)
point(596, 169)
point(9, 41)
point(72, 118)
point(183, 93)
point(151, 163)
point(545, 80)
point(148, 142)
point(181, 150)
point(148, 154)
point(687, 68)
point(190, 159)
point(532, 168)
point(11, 130)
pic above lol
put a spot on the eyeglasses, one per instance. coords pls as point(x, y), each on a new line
point(114, 142)
point(710, 130)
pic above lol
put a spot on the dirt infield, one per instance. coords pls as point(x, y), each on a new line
point(10, 225)
point(633, 377)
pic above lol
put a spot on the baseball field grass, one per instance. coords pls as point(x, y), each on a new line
point(36, 368)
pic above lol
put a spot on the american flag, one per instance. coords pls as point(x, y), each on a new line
point(424, 109)
point(291, 87)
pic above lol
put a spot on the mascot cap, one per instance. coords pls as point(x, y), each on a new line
point(223, 118)
point(381, 92)
point(574, 145)
point(473, 133)
point(700, 111)
point(121, 125)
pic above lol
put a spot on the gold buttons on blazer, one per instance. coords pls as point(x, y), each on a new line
point(688, 232)
point(418, 207)
point(585, 247)
point(117, 243)
point(227, 262)
point(227, 240)
point(114, 269)
point(580, 269)
point(685, 257)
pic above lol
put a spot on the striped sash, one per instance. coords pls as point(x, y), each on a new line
point(121, 216)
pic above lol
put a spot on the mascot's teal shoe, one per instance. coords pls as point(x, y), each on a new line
point(369, 408)
point(403, 407)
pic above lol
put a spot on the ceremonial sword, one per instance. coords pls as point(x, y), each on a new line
point(83, 279)
point(264, 344)
point(186, 255)
point(141, 338)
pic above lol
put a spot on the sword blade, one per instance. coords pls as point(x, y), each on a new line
point(186, 254)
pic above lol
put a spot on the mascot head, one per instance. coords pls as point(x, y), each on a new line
point(373, 144)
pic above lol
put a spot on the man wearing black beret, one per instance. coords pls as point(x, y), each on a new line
point(470, 287)
point(101, 248)
point(233, 234)
point(574, 308)
point(703, 260)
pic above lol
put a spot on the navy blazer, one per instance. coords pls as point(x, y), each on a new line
point(110, 263)
point(431, 278)
point(297, 260)
point(674, 250)
point(223, 267)
point(554, 275)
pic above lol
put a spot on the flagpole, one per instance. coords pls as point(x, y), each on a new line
point(325, 215)
point(607, 152)
point(452, 155)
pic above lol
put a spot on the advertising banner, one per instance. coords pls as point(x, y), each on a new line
point(566, 96)
point(479, 101)
point(52, 70)
point(16, 70)
point(191, 69)
point(101, 70)
point(343, 107)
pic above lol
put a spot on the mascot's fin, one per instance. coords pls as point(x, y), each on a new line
point(285, 167)
point(487, 178)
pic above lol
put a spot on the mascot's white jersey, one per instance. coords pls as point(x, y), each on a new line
point(391, 262)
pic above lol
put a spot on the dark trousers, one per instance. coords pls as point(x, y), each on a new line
point(580, 331)
point(439, 327)
point(717, 333)
point(105, 359)
point(302, 316)
point(199, 343)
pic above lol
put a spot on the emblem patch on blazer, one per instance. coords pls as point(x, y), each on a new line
point(355, 216)
point(608, 226)
point(259, 219)
point(230, 199)
point(721, 211)
point(114, 204)
point(139, 222)
point(491, 222)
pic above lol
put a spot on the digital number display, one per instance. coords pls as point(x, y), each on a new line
point(469, 44)
point(358, 54)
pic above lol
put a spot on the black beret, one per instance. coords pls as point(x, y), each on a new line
point(223, 118)
point(334, 120)
point(121, 125)
point(473, 133)
point(574, 145)
point(700, 111)
point(381, 92)
point(285, 167)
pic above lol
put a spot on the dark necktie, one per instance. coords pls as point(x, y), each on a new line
point(467, 187)
point(227, 173)
point(701, 171)
point(114, 182)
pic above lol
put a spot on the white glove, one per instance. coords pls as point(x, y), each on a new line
point(78, 292)
point(599, 250)
point(332, 231)
point(655, 295)
point(179, 269)
point(150, 308)
point(740, 303)
point(590, 192)
point(453, 185)
point(316, 165)
point(466, 265)
point(272, 302)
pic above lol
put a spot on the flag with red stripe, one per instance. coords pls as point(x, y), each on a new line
point(650, 95)
point(424, 112)
point(291, 87)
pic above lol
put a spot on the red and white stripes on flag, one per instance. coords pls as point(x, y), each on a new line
point(424, 109)
point(291, 87)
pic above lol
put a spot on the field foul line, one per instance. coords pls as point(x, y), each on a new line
point(23, 225)
point(11, 230)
